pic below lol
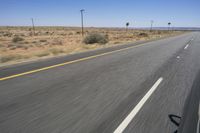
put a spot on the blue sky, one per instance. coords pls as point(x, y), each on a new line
point(100, 13)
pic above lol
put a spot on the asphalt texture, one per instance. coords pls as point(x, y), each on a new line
point(96, 95)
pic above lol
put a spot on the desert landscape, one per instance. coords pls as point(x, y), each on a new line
point(19, 44)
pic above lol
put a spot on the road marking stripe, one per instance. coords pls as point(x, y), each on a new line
point(137, 108)
point(198, 124)
point(186, 46)
point(70, 62)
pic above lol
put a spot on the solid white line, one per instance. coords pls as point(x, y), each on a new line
point(198, 124)
point(186, 46)
point(137, 108)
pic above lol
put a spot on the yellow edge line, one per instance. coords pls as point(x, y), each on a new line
point(66, 63)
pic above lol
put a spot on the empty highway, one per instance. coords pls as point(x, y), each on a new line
point(132, 88)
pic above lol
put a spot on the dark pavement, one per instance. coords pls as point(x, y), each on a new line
point(96, 95)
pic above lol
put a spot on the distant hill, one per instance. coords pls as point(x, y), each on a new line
point(173, 28)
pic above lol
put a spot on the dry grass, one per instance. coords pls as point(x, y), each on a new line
point(56, 51)
point(7, 58)
point(42, 54)
point(16, 43)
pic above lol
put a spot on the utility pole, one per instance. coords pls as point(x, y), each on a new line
point(127, 25)
point(82, 23)
point(33, 25)
point(169, 24)
point(151, 25)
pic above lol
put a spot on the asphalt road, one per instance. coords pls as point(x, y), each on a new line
point(134, 90)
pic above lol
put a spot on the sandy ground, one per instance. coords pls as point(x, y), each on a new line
point(19, 44)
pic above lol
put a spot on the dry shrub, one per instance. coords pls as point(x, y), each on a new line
point(143, 35)
point(15, 46)
point(78, 32)
point(96, 38)
point(17, 39)
point(43, 40)
point(34, 42)
point(57, 42)
point(1, 45)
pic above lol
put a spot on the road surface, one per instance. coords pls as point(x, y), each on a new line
point(131, 89)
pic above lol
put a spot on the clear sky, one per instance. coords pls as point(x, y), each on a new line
point(101, 13)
